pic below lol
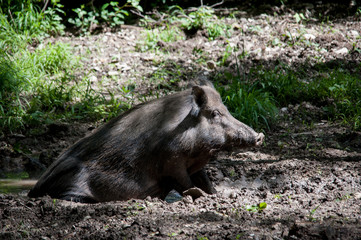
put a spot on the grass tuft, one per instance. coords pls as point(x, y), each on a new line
point(248, 104)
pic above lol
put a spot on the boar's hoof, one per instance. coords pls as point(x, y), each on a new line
point(194, 193)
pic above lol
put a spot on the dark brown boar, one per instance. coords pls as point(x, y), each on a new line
point(149, 150)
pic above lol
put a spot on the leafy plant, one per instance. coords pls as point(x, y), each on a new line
point(115, 16)
point(312, 212)
point(109, 13)
point(20, 24)
point(20, 175)
point(44, 89)
point(12, 82)
point(29, 20)
point(344, 197)
point(299, 17)
point(249, 104)
point(153, 38)
point(278, 196)
point(358, 12)
point(338, 91)
point(198, 19)
point(256, 208)
point(202, 238)
point(227, 53)
point(173, 234)
point(84, 19)
point(204, 18)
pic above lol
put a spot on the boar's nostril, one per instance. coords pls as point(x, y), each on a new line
point(259, 139)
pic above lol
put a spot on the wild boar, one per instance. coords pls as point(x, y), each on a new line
point(148, 151)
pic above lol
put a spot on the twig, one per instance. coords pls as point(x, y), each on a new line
point(217, 4)
point(45, 6)
point(22, 204)
point(12, 19)
point(137, 13)
point(214, 5)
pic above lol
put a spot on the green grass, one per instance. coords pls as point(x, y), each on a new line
point(45, 89)
point(27, 19)
point(39, 87)
point(12, 82)
point(204, 18)
point(201, 19)
point(152, 37)
point(336, 90)
point(43, 85)
point(248, 104)
point(111, 14)
point(254, 98)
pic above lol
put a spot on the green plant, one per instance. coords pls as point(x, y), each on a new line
point(21, 175)
point(255, 28)
point(312, 212)
point(44, 89)
point(202, 238)
point(278, 196)
point(172, 235)
point(19, 68)
point(109, 13)
point(358, 12)
point(27, 19)
point(227, 53)
point(152, 38)
point(84, 19)
point(114, 16)
point(238, 236)
point(12, 83)
point(198, 19)
point(337, 90)
point(344, 197)
point(256, 208)
point(204, 18)
point(217, 28)
point(232, 173)
point(249, 104)
point(47, 59)
point(299, 17)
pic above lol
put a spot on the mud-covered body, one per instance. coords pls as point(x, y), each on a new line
point(148, 151)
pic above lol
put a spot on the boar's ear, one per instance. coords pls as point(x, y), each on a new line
point(200, 99)
point(199, 95)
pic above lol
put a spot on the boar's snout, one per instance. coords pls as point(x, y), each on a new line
point(259, 139)
point(248, 137)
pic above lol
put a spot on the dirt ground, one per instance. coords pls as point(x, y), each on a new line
point(308, 172)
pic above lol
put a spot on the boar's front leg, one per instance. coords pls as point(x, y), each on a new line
point(183, 181)
point(201, 180)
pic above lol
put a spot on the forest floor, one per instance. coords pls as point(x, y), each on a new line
point(307, 174)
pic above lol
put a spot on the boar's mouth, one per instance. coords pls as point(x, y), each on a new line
point(241, 142)
point(254, 141)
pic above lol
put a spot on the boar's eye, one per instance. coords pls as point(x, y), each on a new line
point(216, 113)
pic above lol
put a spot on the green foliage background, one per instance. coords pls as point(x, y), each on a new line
point(39, 86)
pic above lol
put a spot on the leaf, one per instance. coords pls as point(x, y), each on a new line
point(262, 206)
